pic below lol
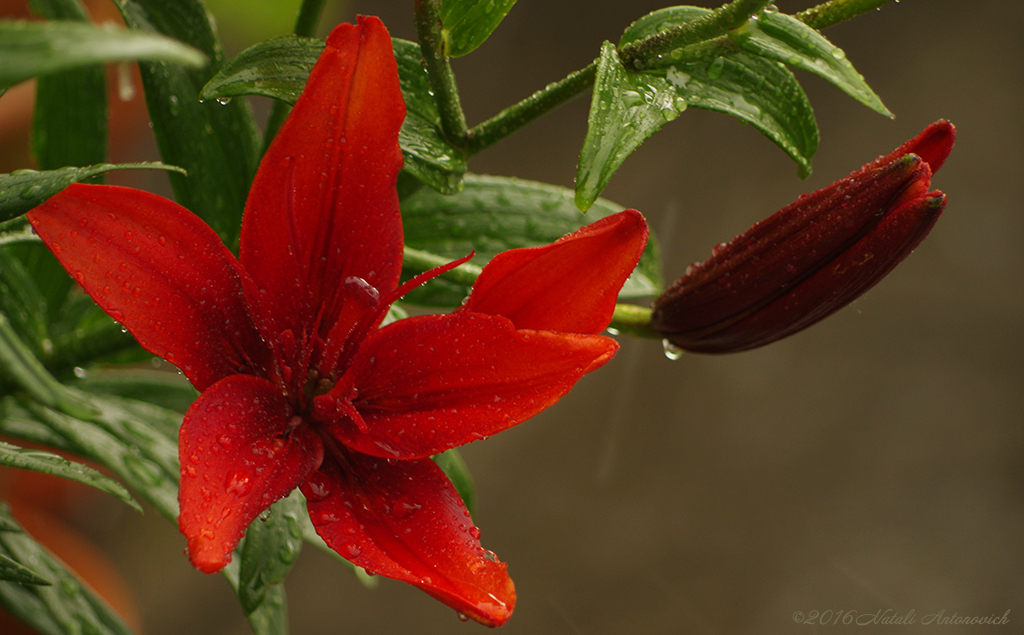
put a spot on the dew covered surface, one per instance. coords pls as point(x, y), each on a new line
point(871, 462)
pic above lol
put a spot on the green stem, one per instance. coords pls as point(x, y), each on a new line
point(718, 22)
point(514, 117)
point(305, 26)
point(630, 319)
point(439, 71)
point(829, 13)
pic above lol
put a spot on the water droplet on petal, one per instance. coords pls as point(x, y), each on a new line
point(238, 484)
point(318, 487)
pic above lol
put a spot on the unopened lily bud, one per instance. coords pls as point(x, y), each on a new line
point(810, 259)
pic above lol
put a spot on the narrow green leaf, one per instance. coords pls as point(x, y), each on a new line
point(757, 91)
point(13, 571)
point(271, 546)
point(19, 364)
point(37, 48)
point(458, 473)
point(48, 463)
point(169, 390)
point(22, 190)
point(468, 23)
point(134, 440)
point(23, 304)
point(218, 144)
point(785, 39)
point(626, 108)
point(66, 605)
point(279, 69)
point(494, 214)
point(150, 469)
point(63, 136)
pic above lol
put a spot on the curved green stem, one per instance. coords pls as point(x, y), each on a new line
point(829, 13)
point(514, 117)
point(439, 71)
point(717, 23)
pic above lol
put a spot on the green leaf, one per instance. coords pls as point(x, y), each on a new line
point(169, 390)
point(218, 144)
point(271, 545)
point(63, 136)
point(279, 69)
point(22, 303)
point(48, 463)
point(276, 68)
point(37, 48)
point(13, 571)
point(66, 605)
point(757, 91)
point(785, 39)
point(22, 190)
point(494, 214)
point(124, 443)
point(626, 108)
point(468, 23)
point(136, 441)
point(458, 473)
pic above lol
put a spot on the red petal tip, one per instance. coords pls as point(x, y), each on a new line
point(933, 145)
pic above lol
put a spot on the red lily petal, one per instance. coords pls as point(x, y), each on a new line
point(846, 278)
point(425, 384)
point(933, 145)
point(569, 286)
point(404, 520)
point(323, 206)
point(241, 449)
point(160, 271)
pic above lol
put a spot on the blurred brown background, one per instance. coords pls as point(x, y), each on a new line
point(873, 462)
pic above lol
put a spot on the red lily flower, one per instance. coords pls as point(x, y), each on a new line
point(813, 257)
point(300, 387)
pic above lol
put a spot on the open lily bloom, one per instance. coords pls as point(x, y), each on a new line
point(300, 386)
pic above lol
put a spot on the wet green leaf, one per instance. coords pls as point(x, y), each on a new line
point(66, 605)
point(279, 69)
point(757, 91)
point(22, 190)
point(785, 39)
point(218, 144)
point(493, 214)
point(29, 49)
point(13, 571)
point(468, 23)
point(49, 463)
point(626, 108)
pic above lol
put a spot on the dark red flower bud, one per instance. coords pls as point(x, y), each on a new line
point(810, 259)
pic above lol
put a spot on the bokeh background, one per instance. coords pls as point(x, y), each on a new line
point(873, 462)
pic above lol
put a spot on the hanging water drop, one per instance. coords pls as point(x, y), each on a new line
point(672, 351)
